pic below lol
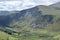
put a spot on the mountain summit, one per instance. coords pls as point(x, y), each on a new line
point(56, 4)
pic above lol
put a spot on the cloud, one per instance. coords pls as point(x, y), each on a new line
point(53, 1)
point(43, 2)
point(16, 5)
point(23, 4)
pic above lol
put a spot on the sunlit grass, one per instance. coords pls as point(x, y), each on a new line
point(3, 36)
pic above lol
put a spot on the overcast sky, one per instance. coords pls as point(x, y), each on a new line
point(23, 4)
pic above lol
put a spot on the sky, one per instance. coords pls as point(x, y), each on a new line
point(23, 4)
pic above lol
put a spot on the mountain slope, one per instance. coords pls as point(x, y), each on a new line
point(49, 10)
point(38, 23)
point(56, 4)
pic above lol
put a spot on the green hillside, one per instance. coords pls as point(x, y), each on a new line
point(38, 23)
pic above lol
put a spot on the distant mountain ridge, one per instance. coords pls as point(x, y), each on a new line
point(56, 4)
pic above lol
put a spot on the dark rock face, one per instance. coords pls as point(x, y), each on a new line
point(57, 8)
point(34, 14)
point(48, 18)
point(43, 21)
point(4, 20)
